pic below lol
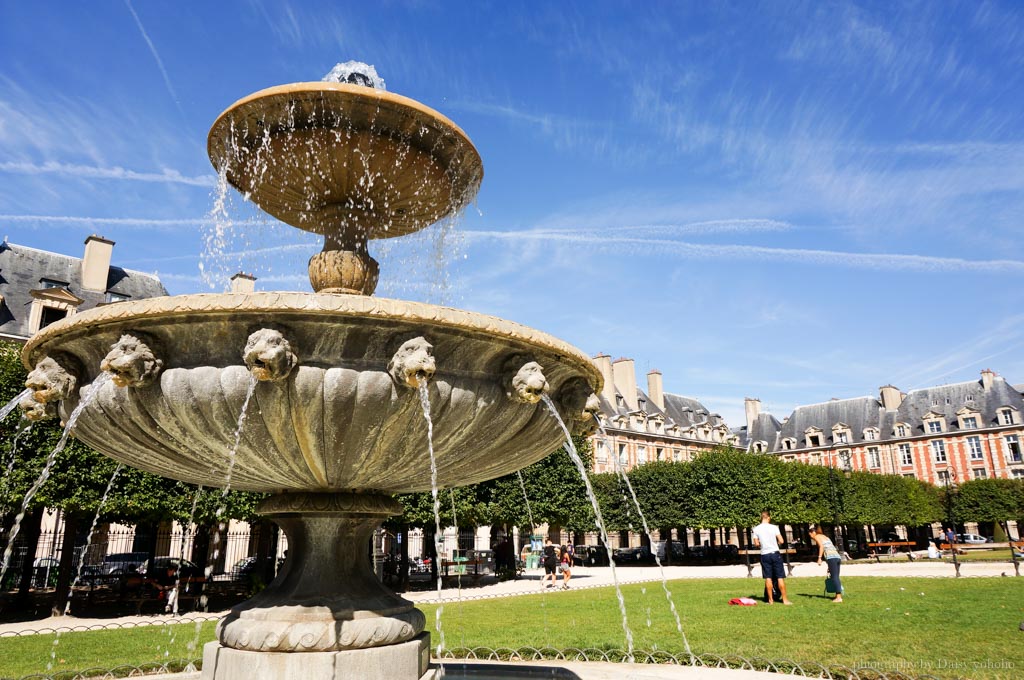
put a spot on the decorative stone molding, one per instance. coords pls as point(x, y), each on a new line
point(269, 355)
point(132, 361)
point(343, 271)
point(524, 380)
point(50, 383)
point(413, 363)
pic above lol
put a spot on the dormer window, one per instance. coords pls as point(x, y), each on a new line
point(619, 401)
point(934, 426)
point(813, 437)
point(115, 297)
point(788, 444)
point(970, 422)
point(870, 434)
point(901, 430)
point(760, 446)
point(1006, 416)
point(642, 405)
point(52, 283)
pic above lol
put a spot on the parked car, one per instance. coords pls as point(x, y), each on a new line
point(117, 564)
point(638, 555)
point(590, 556)
point(167, 570)
point(974, 539)
point(678, 550)
point(45, 572)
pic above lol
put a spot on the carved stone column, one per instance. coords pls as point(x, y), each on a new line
point(326, 614)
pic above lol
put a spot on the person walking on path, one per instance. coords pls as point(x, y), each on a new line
point(550, 563)
point(566, 566)
point(827, 550)
point(767, 537)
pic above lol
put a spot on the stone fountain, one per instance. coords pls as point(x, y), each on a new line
point(335, 424)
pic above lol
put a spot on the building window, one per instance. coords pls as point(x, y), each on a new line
point(1012, 443)
point(840, 437)
point(901, 430)
point(906, 457)
point(602, 452)
point(51, 315)
point(943, 477)
point(939, 451)
point(641, 405)
point(909, 475)
point(934, 426)
point(874, 460)
point(1006, 417)
point(979, 473)
point(813, 440)
point(970, 423)
point(1017, 473)
point(622, 454)
point(870, 435)
point(116, 297)
point(641, 455)
point(52, 283)
point(974, 446)
point(678, 455)
point(659, 453)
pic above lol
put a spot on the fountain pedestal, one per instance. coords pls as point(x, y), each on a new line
point(325, 615)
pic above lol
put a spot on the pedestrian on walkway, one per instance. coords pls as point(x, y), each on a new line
point(550, 563)
point(827, 550)
point(767, 537)
point(566, 566)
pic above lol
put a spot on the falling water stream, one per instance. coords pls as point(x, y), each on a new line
point(13, 403)
point(81, 562)
point(88, 397)
point(222, 508)
point(575, 456)
point(425, 402)
point(23, 428)
point(647, 532)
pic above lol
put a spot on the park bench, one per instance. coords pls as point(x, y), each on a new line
point(891, 548)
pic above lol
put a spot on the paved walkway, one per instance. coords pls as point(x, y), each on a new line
point(583, 577)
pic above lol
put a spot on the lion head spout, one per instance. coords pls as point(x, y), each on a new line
point(413, 364)
point(132, 362)
point(50, 383)
point(524, 380)
point(581, 406)
point(269, 355)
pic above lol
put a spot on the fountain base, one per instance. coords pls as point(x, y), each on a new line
point(409, 660)
point(325, 600)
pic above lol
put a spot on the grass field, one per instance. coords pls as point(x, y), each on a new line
point(941, 627)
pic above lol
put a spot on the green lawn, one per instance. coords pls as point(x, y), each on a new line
point(920, 626)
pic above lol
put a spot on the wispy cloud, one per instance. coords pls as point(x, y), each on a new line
point(167, 175)
point(831, 258)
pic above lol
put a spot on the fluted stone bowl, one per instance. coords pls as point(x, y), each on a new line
point(339, 421)
point(325, 157)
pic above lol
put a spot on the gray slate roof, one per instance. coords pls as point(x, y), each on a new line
point(22, 268)
point(861, 413)
point(679, 410)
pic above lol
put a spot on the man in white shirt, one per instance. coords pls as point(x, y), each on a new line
point(767, 537)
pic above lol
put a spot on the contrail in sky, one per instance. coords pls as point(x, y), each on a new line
point(115, 172)
point(156, 56)
point(881, 261)
point(120, 221)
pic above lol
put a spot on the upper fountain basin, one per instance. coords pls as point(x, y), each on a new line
point(336, 412)
point(331, 158)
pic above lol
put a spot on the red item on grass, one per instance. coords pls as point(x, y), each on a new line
point(743, 601)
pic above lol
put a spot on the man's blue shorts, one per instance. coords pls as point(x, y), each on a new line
point(772, 566)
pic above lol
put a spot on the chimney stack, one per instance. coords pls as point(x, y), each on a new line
point(891, 397)
point(243, 283)
point(988, 376)
point(752, 407)
point(625, 379)
point(654, 388)
point(604, 364)
point(96, 263)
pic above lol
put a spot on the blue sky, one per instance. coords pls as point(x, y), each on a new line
point(794, 201)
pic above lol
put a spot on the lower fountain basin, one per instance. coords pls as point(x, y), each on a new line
point(339, 420)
